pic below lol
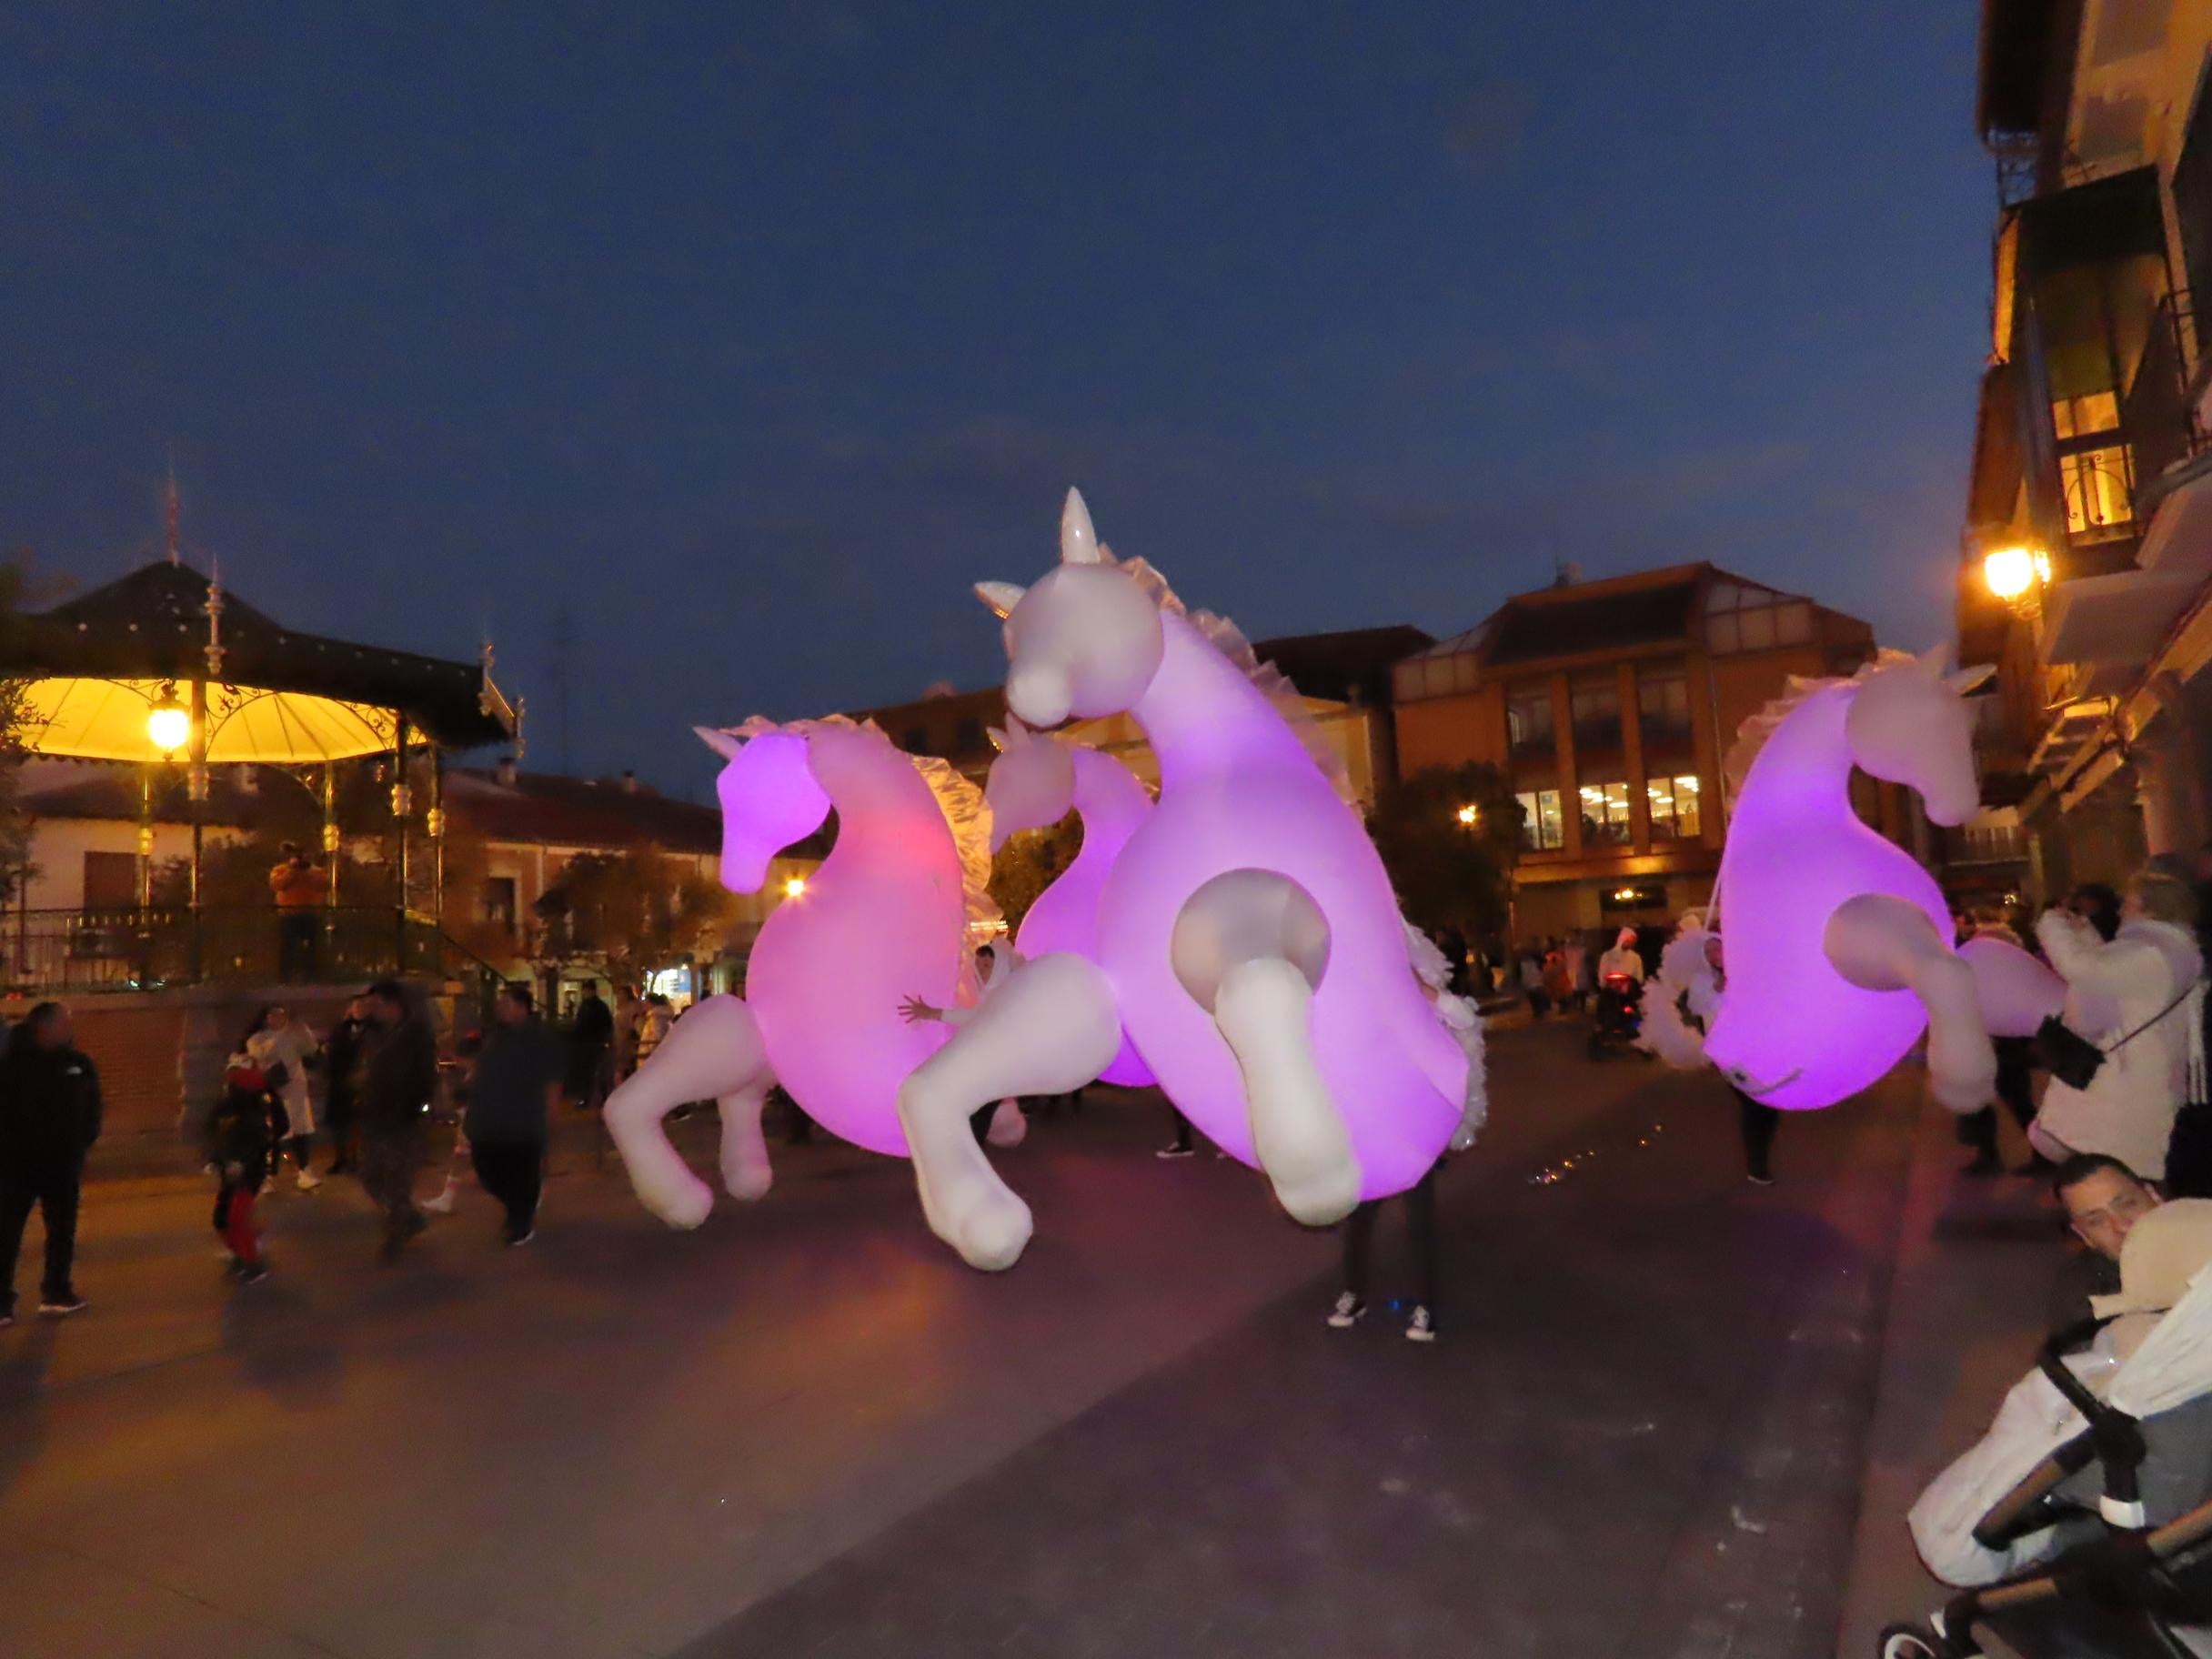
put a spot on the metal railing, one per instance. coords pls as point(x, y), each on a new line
point(156, 947)
point(2160, 426)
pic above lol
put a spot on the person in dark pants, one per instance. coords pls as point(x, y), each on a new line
point(238, 1145)
point(399, 1079)
point(49, 1118)
point(2015, 1057)
point(592, 1054)
point(1359, 1242)
point(517, 1079)
point(1757, 1123)
point(1180, 1146)
point(342, 1060)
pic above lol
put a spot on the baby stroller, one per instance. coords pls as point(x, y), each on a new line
point(2079, 1571)
point(1617, 1017)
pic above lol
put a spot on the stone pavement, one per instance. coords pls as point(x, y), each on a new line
point(805, 1428)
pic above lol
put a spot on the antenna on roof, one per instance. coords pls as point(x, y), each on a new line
point(169, 512)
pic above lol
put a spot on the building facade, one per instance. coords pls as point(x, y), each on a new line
point(2086, 557)
point(1611, 706)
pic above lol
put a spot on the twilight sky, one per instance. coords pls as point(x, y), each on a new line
point(750, 334)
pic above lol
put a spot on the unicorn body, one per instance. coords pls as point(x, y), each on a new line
point(1247, 937)
point(1838, 948)
point(1034, 782)
point(885, 916)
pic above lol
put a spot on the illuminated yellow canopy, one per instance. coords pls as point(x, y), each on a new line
point(105, 719)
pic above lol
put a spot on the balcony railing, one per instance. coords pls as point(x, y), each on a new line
point(2157, 417)
point(55, 953)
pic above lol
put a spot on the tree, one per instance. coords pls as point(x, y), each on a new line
point(14, 714)
point(634, 911)
point(1030, 861)
point(1450, 873)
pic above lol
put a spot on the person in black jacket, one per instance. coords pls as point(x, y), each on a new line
point(591, 1053)
point(49, 1118)
point(342, 1062)
point(399, 1080)
point(238, 1145)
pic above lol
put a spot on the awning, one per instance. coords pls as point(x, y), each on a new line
point(2118, 618)
point(105, 719)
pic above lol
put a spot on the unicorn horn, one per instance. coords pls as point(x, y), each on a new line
point(1078, 543)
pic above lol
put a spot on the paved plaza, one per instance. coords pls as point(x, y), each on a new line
point(808, 1429)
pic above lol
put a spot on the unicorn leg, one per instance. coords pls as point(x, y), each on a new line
point(714, 1052)
point(1051, 1027)
point(1882, 942)
point(1250, 947)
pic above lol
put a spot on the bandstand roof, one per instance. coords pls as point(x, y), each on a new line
point(97, 664)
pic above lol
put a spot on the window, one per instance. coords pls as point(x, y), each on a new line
point(111, 880)
point(1662, 710)
point(1745, 619)
point(2096, 487)
point(1528, 724)
point(1597, 716)
point(1605, 820)
point(1673, 803)
point(1435, 675)
point(967, 737)
point(499, 901)
point(1542, 829)
point(916, 741)
point(2086, 415)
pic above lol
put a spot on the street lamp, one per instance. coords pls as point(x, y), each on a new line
point(2010, 572)
point(168, 723)
point(1469, 815)
point(794, 887)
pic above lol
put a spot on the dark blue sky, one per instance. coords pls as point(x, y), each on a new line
point(753, 334)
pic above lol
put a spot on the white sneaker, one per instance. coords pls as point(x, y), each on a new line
point(1349, 1311)
point(309, 1180)
point(1421, 1327)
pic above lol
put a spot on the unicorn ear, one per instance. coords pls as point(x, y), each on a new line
point(1935, 660)
point(1001, 596)
point(722, 742)
point(1078, 543)
point(1971, 679)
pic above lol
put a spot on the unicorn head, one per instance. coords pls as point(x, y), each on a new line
point(769, 798)
point(1909, 724)
point(1084, 640)
point(1031, 783)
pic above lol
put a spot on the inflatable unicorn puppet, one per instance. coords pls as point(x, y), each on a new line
point(1247, 938)
point(1839, 949)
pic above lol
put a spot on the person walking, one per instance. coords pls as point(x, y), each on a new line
point(342, 1058)
point(653, 1025)
point(49, 1119)
point(238, 1146)
point(591, 1038)
point(282, 1047)
point(2146, 978)
point(299, 890)
point(517, 1081)
point(630, 1013)
point(398, 1082)
point(2016, 1082)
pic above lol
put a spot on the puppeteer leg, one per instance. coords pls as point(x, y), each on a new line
point(1881, 943)
point(714, 1052)
point(1051, 1027)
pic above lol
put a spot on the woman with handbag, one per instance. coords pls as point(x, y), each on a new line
point(2119, 1093)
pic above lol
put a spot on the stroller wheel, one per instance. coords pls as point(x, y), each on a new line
point(1915, 1642)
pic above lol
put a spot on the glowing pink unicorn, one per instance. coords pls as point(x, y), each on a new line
point(1248, 935)
point(1034, 782)
point(883, 917)
point(1838, 944)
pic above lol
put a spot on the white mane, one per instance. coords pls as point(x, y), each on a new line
point(1228, 639)
point(966, 814)
point(1751, 735)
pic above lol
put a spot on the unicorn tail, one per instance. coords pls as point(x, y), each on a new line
point(1666, 1033)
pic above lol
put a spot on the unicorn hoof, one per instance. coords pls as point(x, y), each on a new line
point(748, 1186)
point(992, 1232)
point(1320, 1197)
point(684, 1208)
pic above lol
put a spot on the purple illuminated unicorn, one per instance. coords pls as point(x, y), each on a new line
point(1838, 943)
point(1247, 937)
point(885, 916)
point(1034, 782)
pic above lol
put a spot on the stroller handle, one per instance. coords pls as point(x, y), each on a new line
point(2113, 1437)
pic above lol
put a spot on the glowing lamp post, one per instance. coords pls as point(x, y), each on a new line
point(169, 724)
point(1469, 816)
point(794, 887)
point(2012, 573)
